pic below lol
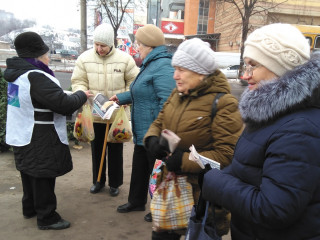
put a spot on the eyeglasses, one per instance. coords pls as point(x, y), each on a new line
point(249, 69)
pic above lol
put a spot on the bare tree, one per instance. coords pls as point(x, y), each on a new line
point(247, 9)
point(115, 11)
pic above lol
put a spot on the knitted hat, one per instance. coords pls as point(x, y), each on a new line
point(104, 34)
point(195, 55)
point(30, 45)
point(150, 35)
point(278, 47)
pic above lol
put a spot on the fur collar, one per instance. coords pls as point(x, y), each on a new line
point(295, 90)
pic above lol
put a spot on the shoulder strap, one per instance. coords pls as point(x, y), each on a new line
point(215, 103)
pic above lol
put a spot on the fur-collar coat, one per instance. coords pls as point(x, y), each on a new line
point(272, 187)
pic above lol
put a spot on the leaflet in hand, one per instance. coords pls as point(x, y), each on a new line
point(172, 138)
point(103, 107)
point(201, 160)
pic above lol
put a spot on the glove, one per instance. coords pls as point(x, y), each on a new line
point(156, 149)
point(174, 161)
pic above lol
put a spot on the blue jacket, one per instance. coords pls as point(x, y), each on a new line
point(272, 187)
point(149, 91)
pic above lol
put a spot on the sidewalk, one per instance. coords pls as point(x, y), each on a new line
point(92, 216)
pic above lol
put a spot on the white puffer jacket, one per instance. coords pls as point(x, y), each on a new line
point(107, 75)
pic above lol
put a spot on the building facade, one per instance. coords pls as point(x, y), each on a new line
point(229, 24)
point(220, 23)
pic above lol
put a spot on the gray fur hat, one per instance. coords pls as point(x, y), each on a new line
point(195, 55)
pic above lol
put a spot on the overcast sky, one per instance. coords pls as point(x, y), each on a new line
point(60, 14)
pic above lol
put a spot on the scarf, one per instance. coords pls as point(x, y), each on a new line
point(35, 62)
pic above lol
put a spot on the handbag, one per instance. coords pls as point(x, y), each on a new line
point(154, 175)
point(197, 227)
point(120, 130)
point(172, 203)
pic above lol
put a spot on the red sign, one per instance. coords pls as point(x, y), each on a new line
point(136, 27)
point(172, 27)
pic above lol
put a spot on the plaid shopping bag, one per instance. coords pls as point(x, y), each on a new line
point(172, 203)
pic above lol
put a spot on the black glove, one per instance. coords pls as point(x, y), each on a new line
point(174, 161)
point(156, 149)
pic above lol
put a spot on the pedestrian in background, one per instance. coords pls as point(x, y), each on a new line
point(106, 70)
point(36, 128)
point(147, 95)
point(272, 187)
point(187, 113)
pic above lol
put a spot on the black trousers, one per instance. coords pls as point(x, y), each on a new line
point(114, 154)
point(39, 198)
point(142, 165)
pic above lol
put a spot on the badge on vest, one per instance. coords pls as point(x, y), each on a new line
point(13, 95)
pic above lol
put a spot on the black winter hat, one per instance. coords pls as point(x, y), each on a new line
point(30, 45)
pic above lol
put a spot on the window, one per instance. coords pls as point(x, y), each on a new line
point(203, 16)
point(317, 42)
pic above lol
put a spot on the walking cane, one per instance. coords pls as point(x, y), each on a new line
point(103, 155)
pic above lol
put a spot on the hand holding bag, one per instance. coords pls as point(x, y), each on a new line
point(172, 203)
point(168, 140)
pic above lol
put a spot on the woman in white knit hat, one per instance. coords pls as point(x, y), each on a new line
point(188, 113)
point(272, 187)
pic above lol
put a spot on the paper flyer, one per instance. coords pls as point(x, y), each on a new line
point(201, 160)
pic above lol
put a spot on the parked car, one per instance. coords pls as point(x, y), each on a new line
point(69, 54)
point(231, 71)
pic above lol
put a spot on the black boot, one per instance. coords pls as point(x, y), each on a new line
point(61, 224)
point(96, 187)
point(114, 191)
point(128, 207)
point(148, 217)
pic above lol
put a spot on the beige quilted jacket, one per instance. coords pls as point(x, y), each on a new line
point(107, 75)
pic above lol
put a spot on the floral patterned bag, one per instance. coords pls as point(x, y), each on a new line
point(153, 177)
